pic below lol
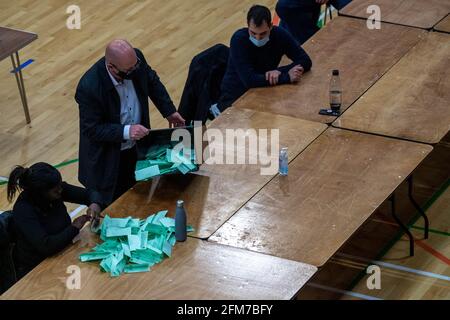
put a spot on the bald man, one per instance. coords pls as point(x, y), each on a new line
point(114, 115)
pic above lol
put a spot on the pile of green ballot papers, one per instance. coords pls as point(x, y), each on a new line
point(162, 159)
point(133, 245)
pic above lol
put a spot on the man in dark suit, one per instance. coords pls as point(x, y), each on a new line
point(114, 115)
point(299, 17)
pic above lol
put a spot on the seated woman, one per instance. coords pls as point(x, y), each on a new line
point(41, 223)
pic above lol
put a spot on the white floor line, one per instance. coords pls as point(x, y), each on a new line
point(76, 211)
point(349, 293)
point(3, 178)
point(397, 267)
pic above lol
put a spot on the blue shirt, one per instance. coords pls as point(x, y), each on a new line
point(248, 64)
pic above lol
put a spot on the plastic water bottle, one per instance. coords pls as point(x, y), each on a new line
point(335, 92)
point(283, 164)
point(180, 222)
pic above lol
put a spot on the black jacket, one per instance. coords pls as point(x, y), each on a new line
point(202, 88)
point(7, 271)
point(101, 132)
point(42, 229)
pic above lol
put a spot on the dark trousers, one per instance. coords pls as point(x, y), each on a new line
point(127, 166)
point(300, 22)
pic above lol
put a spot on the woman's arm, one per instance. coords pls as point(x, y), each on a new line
point(28, 224)
point(81, 195)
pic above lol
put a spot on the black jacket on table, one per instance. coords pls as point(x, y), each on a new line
point(101, 132)
point(42, 229)
point(202, 88)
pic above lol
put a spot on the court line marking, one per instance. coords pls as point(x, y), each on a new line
point(423, 245)
point(65, 163)
point(398, 267)
point(384, 222)
point(442, 233)
point(3, 180)
point(433, 251)
point(350, 293)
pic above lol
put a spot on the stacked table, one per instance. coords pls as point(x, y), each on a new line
point(444, 25)
point(414, 13)
point(415, 95)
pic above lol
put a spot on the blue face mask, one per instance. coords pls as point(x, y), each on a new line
point(259, 43)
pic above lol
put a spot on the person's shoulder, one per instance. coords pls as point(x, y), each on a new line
point(240, 35)
point(139, 53)
point(22, 207)
point(283, 36)
point(91, 79)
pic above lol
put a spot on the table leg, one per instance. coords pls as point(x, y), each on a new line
point(416, 205)
point(400, 223)
point(20, 85)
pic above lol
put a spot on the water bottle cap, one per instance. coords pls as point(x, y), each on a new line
point(335, 72)
point(180, 203)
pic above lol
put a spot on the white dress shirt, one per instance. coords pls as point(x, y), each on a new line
point(130, 109)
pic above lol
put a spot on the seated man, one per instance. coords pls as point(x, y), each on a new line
point(255, 53)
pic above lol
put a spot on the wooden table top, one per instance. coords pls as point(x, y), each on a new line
point(415, 13)
point(444, 25)
point(332, 189)
point(412, 100)
point(215, 192)
point(196, 270)
point(361, 55)
point(12, 40)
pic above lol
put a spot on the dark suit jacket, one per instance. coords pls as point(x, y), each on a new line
point(101, 132)
point(202, 88)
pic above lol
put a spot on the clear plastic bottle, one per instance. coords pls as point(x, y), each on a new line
point(283, 163)
point(335, 92)
point(180, 222)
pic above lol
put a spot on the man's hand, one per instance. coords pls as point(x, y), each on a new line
point(296, 73)
point(272, 77)
point(94, 210)
point(175, 120)
point(94, 213)
point(81, 221)
point(137, 132)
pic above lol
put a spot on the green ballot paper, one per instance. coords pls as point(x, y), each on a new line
point(132, 245)
point(147, 173)
point(163, 159)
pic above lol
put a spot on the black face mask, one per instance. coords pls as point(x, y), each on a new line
point(129, 74)
point(126, 75)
